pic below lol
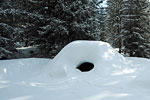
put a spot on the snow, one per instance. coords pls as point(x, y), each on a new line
point(99, 53)
point(27, 51)
point(113, 77)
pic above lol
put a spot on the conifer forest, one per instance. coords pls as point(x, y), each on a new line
point(41, 28)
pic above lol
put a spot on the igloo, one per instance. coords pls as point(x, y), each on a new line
point(97, 56)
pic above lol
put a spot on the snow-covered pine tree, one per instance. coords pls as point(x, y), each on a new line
point(24, 20)
point(114, 22)
point(7, 47)
point(69, 20)
point(52, 24)
point(136, 28)
point(103, 28)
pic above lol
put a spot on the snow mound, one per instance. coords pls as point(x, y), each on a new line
point(100, 54)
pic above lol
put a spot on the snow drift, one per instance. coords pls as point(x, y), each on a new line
point(100, 54)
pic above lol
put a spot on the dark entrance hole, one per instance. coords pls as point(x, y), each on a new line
point(85, 67)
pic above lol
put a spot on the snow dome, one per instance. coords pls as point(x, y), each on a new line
point(85, 56)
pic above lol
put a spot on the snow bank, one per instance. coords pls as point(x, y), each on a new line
point(101, 54)
point(22, 69)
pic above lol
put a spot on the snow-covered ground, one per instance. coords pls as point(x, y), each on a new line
point(112, 78)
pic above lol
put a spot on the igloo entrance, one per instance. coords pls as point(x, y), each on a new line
point(85, 67)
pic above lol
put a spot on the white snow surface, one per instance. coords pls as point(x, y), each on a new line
point(113, 77)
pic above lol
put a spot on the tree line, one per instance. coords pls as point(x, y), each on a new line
point(51, 24)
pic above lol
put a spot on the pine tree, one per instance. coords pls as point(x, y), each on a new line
point(69, 21)
point(7, 47)
point(103, 27)
point(128, 22)
point(114, 22)
point(19, 19)
point(6, 37)
point(136, 30)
